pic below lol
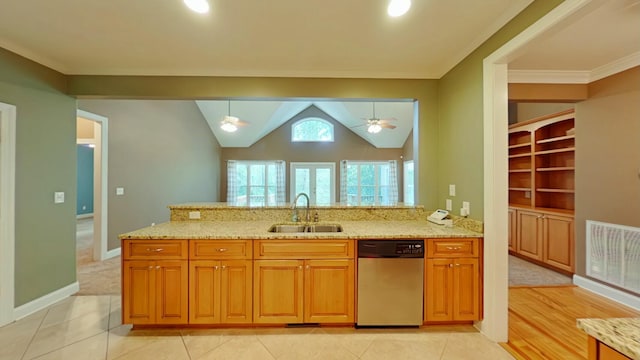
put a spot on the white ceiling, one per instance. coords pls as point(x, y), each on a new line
point(265, 116)
point(310, 38)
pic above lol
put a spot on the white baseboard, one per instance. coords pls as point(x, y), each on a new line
point(84, 216)
point(44, 301)
point(112, 253)
point(608, 292)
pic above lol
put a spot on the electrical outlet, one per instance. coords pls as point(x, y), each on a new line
point(194, 215)
point(119, 191)
point(467, 208)
point(449, 205)
point(452, 190)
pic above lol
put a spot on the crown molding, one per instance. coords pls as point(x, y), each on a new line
point(615, 67)
point(574, 76)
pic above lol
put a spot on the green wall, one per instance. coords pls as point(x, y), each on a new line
point(45, 163)
point(460, 123)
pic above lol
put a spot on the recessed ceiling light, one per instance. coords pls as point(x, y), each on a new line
point(199, 6)
point(398, 7)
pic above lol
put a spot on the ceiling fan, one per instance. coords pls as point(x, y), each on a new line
point(231, 123)
point(375, 124)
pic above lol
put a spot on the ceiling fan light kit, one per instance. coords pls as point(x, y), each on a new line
point(374, 128)
point(199, 6)
point(231, 123)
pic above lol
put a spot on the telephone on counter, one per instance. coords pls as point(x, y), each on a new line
point(441, 217)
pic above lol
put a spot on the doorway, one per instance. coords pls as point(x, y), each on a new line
point(99, 140)
point(316, 179)
point(7, 214)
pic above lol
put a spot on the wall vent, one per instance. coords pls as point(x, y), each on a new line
point(613, 254)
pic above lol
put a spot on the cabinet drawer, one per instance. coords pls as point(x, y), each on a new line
point(220, 249)
point(303, 249)
point(453, 247)
point(154, 249)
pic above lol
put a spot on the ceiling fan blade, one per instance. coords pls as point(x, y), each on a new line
point(387, 126)
point(241, 123)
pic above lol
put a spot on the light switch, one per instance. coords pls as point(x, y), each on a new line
point(58, 197)
point(467, 207)
point(452, 190)
point(119, 191)
point(449, 205)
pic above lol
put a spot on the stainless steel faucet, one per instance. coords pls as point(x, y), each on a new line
point(294, 208)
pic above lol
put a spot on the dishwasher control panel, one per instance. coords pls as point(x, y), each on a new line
point(390, 248)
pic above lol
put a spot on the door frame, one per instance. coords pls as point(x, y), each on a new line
point(7, 209)
point(495, 119)
point(100, 189)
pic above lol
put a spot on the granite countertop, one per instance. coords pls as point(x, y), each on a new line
point(621, 334)
point(401, 229)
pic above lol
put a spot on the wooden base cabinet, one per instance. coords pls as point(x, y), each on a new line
point(220, 291)
point(154, 282)
point(452, 280)
point(220, 281)
point(318, 287)
point(546, 237)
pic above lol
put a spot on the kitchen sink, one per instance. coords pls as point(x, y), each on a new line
point(311, 228)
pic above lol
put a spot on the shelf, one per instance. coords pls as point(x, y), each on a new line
point(555, 151)
point(519, 189)
point(519, 155)
point(559, 138)
point(565, 191)
point(558, 168)
point(520, 170)
point(519, 145)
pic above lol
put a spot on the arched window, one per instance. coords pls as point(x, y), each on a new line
point(312, 129)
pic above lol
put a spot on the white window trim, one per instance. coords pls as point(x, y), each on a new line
point(266, 163)
point(405, 178)
point(376, 178)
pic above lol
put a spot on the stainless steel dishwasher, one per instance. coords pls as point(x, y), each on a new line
point(390, 282)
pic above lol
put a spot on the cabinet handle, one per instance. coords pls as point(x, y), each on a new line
point(450, 265)
point(224, 267)
point(457, 264)
point(308, 267)
point(150, 267)
point(158, 267)
point(300, 267)
point(222, 250)
point(454, 247)
point(215, 267)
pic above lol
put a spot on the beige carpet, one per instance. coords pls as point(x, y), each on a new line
point(95, 277)
point(524, 273)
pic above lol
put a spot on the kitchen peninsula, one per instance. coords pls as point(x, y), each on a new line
point(219, 265)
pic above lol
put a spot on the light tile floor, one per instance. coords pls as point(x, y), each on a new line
point(89, 327)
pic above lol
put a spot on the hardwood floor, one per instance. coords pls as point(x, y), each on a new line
point(542, 321)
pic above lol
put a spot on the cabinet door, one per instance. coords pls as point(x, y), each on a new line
point(172, 293)
point(278, 291)
point(466, 289)
point(559, 241)
point(236, 303)
point(138, 287)
point(529, 234)
point(438, 291)
point(204, 292)
point(329, 291)
point(512, 230)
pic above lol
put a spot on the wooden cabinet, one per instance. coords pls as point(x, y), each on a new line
point(154, 282)
point(453, 278)
point(512, 230)
point(220, 281)
point(307, 281)
point(542, 162)
point(546, 237)
point(601, 351)
point(541, 189)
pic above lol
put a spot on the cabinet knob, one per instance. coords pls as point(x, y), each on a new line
point(308, 267)
point(300, 267)
point(158, 267)
point(450, 265)
point(222, 250)
point(453, 247)
point(150, 267)
point(215, 267)
point(224, 267)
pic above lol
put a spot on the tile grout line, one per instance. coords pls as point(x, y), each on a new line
point(34, 334)
point(185, 345)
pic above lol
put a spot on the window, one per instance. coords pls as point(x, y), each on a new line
point(368, 182)
point(255, 183)
point(409, 195)
point(312, 129)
